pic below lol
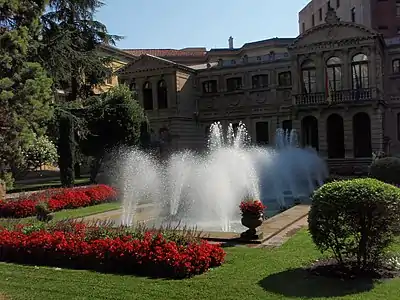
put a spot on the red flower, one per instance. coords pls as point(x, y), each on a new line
point(252, 206)
point(72, 247)
point(57, 199)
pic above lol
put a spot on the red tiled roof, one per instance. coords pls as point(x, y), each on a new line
point(168, 52)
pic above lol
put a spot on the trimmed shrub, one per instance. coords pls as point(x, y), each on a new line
point(355, 219)
point(386, 169)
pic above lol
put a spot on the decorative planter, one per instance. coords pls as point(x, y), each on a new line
point(252, 222)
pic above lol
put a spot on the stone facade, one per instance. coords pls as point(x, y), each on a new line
point(337, 85)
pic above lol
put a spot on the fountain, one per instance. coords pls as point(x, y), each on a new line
point(205, 190)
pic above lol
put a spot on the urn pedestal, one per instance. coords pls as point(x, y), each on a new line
point(252, 222)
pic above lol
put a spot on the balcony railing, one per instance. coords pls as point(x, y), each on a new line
point(334, 97)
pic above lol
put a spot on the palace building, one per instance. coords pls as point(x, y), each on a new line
point(337, 84)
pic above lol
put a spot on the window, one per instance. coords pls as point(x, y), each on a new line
point(337, 3)
point(353, 14)
point(259, 81)
point(312, 20)
point(334, 73)
point(396, 66)
point(359, 72)
point(320, 14)
point(397, 8)
point(210, 86)
point(147, 96)
point(303, 27)
point(234, 83)
point(162, 95)
point(262, 133)
point(132, 85)
point(287, 125)
point(285, 79)
point(308, 73)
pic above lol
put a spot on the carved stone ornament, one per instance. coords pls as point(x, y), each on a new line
point(331, 17)
point(234, 101)
point(261, 98)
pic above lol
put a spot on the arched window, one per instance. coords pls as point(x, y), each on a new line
point(359, 72)
point(147, 96)
point(396, 66)
point(162, 95)
point(132, 85)
point(334, 73)
point(309, 77)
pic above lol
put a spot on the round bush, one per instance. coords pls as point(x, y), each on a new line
point(386, 169)
point(355, 219)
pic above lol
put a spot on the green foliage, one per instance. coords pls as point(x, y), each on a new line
point(355, 219)
point(25, 89)
point(42, 151)
point(386, 169)
point(43, 212)
point(8, 180)
point(71, 36)
point(116, 112)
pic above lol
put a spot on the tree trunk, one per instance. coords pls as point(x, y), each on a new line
point(66, 150)
point(95, 168)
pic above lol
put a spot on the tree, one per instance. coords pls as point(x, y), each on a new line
point(70, 38)
point(116, 120)
point(25, 89)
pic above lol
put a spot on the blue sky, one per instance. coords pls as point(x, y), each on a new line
point(190, 23)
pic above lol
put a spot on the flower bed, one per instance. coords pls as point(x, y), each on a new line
point(76, 245)
point(57, 199)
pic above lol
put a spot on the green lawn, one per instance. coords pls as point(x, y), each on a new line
point(40, 185)
point(75, 213)
point(247, 274)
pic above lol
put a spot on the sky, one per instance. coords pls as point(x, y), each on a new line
point(176, 24)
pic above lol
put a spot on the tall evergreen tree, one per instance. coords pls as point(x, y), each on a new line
point(25, 88)
point(71, 37)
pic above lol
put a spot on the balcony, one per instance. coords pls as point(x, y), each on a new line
point(337, 97)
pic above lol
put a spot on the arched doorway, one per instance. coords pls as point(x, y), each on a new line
point(335, 136)
point(362, 135)
point(309, 129)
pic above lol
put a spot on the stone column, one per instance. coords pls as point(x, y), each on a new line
point(154, 86)
point(346, 71)
point(348, 134)
point(372, 67)
point(322, 138)
point(377, 130)
point(320, 72)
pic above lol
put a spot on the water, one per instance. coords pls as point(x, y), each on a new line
point(205, 190)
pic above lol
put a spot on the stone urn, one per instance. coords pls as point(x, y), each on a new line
point(252, 221)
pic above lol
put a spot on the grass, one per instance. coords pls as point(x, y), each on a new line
point(73, 213)
point(247, 274)
point(40, 185)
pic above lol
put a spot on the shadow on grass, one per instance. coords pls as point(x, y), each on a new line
point(300, 283)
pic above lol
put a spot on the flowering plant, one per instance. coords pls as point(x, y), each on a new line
point(251, 207)
point(77, 245)
point(57, 199)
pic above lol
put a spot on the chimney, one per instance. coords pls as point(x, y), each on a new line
point(230, 42)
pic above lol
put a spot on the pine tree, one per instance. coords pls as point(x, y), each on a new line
point(25, 89)
point(71, 37)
